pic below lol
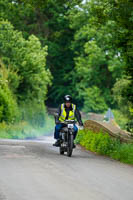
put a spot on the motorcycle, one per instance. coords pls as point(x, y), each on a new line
point(67, 138)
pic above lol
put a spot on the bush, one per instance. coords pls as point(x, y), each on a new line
point(105, 145)
point(8, 107)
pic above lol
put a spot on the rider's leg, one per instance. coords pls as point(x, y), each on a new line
point(56, 134)
point(75, 131)
point(57, 131)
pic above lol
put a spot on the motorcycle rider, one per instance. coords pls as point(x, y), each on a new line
point(66, 111)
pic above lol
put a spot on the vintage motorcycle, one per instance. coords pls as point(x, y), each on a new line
point(67, 137)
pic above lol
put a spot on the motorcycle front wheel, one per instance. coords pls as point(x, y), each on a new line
point(70, 145)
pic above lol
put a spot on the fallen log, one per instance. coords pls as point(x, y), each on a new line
point(113, 130)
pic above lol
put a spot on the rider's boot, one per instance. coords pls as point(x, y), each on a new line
point(74, 146)
point(57, 143)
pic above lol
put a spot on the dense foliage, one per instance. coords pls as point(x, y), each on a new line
point(24, 79)
point(87, 46)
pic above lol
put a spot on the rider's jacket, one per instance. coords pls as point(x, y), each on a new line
point(71, 113)
point(67, 115)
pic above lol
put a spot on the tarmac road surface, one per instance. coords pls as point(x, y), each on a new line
point(34, 170)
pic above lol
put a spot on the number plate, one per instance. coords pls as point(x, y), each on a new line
point(70, 125)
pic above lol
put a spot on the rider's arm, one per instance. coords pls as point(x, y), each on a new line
point(78, 116)
point(58, 114)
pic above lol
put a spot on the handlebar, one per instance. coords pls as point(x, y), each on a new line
point(68, 122)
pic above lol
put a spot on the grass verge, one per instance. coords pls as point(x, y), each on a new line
point(24, 130)
point(105, 145)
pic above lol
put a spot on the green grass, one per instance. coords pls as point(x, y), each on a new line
point(105, 145)
point(23, 130)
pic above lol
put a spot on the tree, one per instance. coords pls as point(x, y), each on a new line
point(121, 12)
point(26, 60)
point(48, 21)
point(98, 61)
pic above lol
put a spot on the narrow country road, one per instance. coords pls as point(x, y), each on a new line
point(34, 170)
